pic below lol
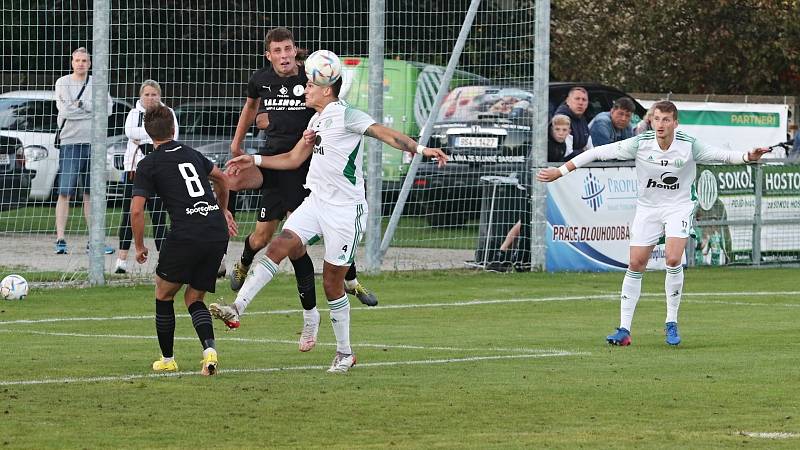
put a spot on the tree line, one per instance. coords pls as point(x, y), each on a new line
point(684, 46)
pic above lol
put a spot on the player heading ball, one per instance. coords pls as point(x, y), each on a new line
point(336, 209)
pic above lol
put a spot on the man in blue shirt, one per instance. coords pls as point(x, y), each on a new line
point(615, 125)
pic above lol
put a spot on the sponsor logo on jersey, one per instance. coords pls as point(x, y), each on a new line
point(593, 192)
point(283, 91)
point(318, 148)
point(278, 102)
point(298, 90)
point(202, 208)
point(667, 181)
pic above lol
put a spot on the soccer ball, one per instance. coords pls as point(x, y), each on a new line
point(13, 287)
point(323, 68)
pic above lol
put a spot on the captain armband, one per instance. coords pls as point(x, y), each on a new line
point(257, 160)
point(563, 169)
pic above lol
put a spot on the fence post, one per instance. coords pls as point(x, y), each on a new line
point(377, 11)
point(538, 154)
point(97, 222)
point(758, 184)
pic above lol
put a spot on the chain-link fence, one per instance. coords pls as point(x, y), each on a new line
point(202, 57)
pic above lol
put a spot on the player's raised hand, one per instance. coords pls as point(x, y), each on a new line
point(141, 254)
point(757, 153)
point(309, 136)
point(548, 174)
point(239, 163)
point(441, 157)
point(233, 227)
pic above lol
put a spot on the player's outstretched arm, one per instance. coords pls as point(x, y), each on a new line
point(549, 174)
point(137, 226)
point(222, 192)
point(404, 143)
point(284, 161)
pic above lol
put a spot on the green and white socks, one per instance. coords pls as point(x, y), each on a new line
point(262, 273)
point(340, 319)
point(631, 290)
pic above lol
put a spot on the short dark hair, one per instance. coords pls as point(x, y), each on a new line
point(159, 123)
point(624, 103)
point(337, 87)
point(279, 34)
point(666, 106)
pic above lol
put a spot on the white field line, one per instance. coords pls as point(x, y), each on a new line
point(223, 372)
point(463, 303)
point(769, 435)
point(286, 341)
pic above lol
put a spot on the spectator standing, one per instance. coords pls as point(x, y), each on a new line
point(615, 125)
point(139, 146)
point(575, 107)
point(74, 102)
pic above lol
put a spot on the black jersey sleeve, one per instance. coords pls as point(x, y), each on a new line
point(252, 87)
point(143, 184)
point(207, 164)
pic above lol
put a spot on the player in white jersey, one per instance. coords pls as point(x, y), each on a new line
point(665, 166)
point(336, 209)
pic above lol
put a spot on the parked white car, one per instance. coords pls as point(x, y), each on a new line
point(31, 117)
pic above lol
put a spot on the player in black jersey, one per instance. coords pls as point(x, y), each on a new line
point(200, 226)
point(276, 94)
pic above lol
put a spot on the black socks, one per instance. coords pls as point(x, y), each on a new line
point(304, 273)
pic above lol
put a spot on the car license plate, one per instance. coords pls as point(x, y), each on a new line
point(476, 142)
point(5, 159)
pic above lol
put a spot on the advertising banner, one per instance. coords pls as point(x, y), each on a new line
point(589, 215)
point(733, 126)
point(726, 193)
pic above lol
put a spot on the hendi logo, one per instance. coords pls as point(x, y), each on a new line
point(593, 192)
point(667, 181)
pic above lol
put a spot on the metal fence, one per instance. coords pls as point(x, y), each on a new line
point(397, 51)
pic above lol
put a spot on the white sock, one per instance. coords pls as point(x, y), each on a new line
point(311, 316)
point(673, 287)
point(340, 319)
point(631, 289)
point(260, 275)
point(351, 284)
point(166, 360)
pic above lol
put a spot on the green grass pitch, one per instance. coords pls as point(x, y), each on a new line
point(448, 359)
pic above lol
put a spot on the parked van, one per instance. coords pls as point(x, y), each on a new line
point(409, 90)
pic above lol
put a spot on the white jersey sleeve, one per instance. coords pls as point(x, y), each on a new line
point(356, 120)
point(622, 150)
point(703, 152)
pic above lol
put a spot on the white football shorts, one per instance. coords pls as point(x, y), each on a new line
point(341, 226)
point(651, 224)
